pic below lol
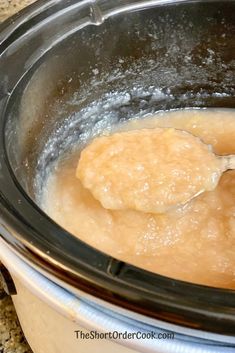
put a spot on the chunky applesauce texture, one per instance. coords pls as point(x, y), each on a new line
point(120, 195)
point(148, 170)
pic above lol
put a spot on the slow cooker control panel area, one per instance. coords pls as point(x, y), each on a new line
point(85, 252)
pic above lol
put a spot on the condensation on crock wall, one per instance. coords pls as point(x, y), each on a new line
point(141, 96)
point(117, 83)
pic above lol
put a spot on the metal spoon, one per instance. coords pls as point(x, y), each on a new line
point(228, 162)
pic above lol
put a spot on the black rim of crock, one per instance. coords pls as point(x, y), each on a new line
point(24, 226)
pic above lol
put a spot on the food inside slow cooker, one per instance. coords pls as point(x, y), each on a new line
point(194, 242)
point(148, 170)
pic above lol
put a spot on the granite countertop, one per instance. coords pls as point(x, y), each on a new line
point(11, 337)
point(10, 7)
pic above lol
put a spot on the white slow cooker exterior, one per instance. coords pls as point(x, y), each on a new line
point(49, 315)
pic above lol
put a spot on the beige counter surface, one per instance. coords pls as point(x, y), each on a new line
point(10, 7)
point(11, 337)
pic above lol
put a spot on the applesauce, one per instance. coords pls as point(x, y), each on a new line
point(194, 242)
point(148, 170)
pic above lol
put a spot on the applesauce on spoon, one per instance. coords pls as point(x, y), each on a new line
point(195, 243)
point(148, 170)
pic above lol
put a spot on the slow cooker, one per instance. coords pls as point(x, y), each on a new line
point(66, 68)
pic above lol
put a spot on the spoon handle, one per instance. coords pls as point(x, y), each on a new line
point(228, 162)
